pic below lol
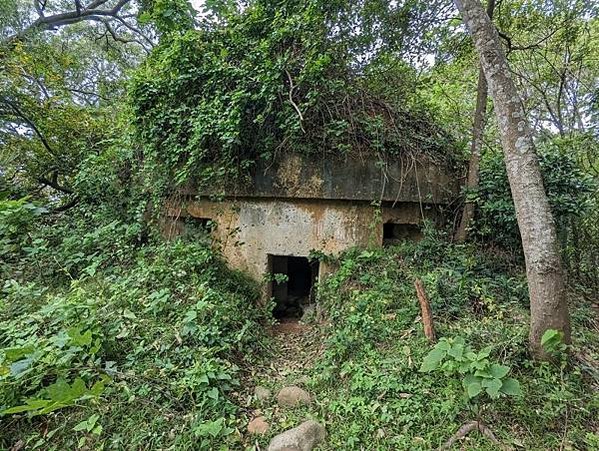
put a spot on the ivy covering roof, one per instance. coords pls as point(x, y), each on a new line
point(209, 103)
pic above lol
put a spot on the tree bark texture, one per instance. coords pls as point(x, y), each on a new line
point(544, 270)
point(478, 129)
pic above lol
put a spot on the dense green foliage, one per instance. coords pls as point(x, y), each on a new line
point(372, 394)
point(209, 104)
point(371, 383)
point(568, 189)
point(157, 334)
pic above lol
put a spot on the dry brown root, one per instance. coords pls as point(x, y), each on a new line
point(466, 428)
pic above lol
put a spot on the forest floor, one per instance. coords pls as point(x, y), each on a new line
point(295, 348)
point(186, 355)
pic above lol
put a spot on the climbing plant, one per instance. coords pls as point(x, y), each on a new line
point(209, 103)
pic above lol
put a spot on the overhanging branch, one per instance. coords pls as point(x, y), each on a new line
point(94, 11)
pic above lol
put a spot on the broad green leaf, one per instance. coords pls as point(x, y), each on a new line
point(499, 371)
point(32, 404)
point(456, 351)
point(91, 421)
point(473, 389)
point(78, 389)
point(210, 428)
point(98, 387)
point(459, 341)
point(129, 314)
point(213, 393)
point(511, 387)
point(469, 379)
point(480, 364)
point(471, 355)
point(484, 373)
point(19, 367)
point(443, 345)
point(78, 338)
point(492, 387)
point(485, 352)
point(13, 354)
point(82, 426)
point(52, 407)
point(549, 335)
point(59, 391)
point(432, 360)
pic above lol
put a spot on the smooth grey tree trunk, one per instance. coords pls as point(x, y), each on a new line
point(478, 129)
point(545, 274)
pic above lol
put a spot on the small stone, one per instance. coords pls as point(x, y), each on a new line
point(293, 396)
point(258, 426)
point(302, 438)
point(262, 393)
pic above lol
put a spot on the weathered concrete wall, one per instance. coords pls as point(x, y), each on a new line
point(296, 176)
point(248, 230)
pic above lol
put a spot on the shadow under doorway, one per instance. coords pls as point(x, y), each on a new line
point(293, 295)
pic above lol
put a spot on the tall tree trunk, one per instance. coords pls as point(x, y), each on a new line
point(546, 278)
point(478, 129)
point(472, 182)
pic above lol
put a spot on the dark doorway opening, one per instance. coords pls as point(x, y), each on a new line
point(394, 233)
point(293, 282)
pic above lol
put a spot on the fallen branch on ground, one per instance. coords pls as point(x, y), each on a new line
point(425, 308)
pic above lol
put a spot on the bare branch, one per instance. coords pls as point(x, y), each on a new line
point(95, 4)
point(135, 30)
point(511, 47)
point(90, 12)
point(116, 37)
point(39, 7)
point(52, 182)
point(74, 201)
point(29, 122)
point(291, 89)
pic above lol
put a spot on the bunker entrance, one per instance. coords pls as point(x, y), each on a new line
point(395, 233)
point(293, 281)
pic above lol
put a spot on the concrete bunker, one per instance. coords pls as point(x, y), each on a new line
point(293, 283)
point(292, 206)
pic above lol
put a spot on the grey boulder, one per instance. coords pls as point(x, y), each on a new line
point(293, 396)
point(262, 394)
point(302, 438)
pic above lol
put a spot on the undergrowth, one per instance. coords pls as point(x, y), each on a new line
point(369, 388)
point(370, 391)
point(138, 348)
point(114, 341)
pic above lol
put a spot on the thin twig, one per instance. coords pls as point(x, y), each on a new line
point(291, 89)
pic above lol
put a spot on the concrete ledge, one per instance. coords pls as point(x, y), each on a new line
point(297, 176)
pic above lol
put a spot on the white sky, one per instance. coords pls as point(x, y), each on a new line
point(197, 4)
